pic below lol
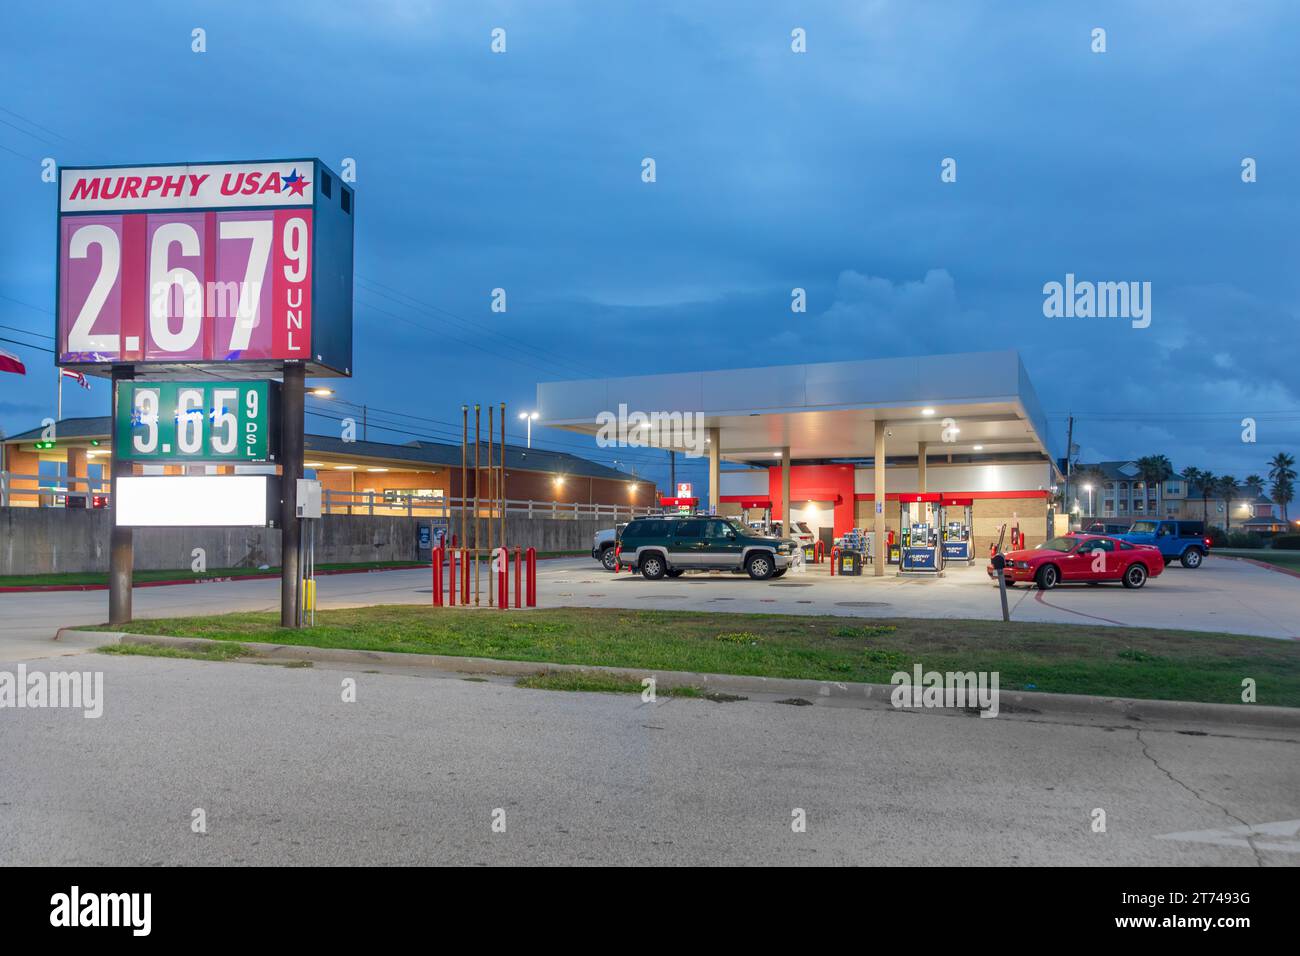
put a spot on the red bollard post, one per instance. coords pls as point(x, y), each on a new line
point(518, 581)
point(819, 552)
point(437, 577)
point(464, 576)
point(834, 553)
point(618, 550)
point(451, 580)
point(503, 580)
point(532, 577)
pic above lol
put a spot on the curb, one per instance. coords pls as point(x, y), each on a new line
point(213, 580)
point(37, 588)
point(1260, 564)
point(1010, 702)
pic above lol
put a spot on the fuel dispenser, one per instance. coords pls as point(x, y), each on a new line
point(920, 551)
point(955, 529)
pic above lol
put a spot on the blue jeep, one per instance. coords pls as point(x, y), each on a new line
point(1183, 541)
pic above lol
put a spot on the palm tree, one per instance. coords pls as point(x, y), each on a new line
point(1195, 477)
point(1281, 469)
point(1254, 484)
point(1155, 470)
point(1227, 486)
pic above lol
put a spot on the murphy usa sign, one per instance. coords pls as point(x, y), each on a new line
point(175, 265)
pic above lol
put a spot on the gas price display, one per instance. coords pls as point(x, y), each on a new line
point(197, 421)
point(197, 264)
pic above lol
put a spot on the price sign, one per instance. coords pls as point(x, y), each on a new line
point(197, 421)
point(221, 263)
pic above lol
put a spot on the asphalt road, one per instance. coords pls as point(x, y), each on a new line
point(288, 773)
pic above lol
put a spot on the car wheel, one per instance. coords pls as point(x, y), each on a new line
point(652, 567)
point(607, 558)
point(1047, 577)
point(779, 572)
point(676, 572)
point(1135, 576)
point(760, 566)
point(1192, 558)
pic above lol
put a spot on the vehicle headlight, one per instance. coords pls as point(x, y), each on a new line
point(1022, 565)
point(782, 549)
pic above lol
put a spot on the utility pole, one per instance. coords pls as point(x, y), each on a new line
point(672, 470)
point(1069, 446)
point(291, 455)
point(121, 546)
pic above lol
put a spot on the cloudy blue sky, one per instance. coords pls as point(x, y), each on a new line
point(774, 170)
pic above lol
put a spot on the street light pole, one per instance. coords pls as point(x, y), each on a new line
point(528, 417)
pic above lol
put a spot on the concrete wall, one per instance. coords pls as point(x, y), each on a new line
point(50, 540)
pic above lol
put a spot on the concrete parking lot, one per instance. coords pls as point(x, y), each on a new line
point(1222, 595)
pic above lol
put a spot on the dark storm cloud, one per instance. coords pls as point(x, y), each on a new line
point(775, 171)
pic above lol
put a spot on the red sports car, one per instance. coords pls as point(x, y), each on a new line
point(1088, 558)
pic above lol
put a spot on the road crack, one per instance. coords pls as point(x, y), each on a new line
point(1250, 837)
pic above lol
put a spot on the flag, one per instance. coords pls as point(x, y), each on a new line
point(81, 379)
point(11, 363)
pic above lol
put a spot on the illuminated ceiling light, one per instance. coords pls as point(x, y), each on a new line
point(927, 411)
point(322, 392)
point(376, 469)
point(979, 447)
point(346, 467)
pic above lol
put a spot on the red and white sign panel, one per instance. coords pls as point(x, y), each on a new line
point(185, 283)
point(222, 185)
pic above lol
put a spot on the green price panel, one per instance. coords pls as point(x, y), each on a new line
point(198, 421)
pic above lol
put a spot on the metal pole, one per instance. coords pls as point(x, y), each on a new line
point(291, 447)
point(501, 485)
point(464, 482)
point(478, 524)
point(491, 497)
point(121, 547)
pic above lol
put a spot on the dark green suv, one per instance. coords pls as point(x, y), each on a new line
point(659, 547)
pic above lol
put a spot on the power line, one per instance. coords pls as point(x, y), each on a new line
point(537, 352)
point(29, 122)
point(27, 344)
point(27, 305)
point(14, 328)
point(646, 455)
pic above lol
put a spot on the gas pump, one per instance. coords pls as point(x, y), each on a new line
point(920, 551)
point(955, 529)
point(764, 508)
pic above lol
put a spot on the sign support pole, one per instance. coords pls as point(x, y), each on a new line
point(291, 455)
point(121, 545)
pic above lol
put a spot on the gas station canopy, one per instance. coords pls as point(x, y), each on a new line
point(978, 404)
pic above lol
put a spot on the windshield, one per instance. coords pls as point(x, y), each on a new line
point(1058, 544)
point(1143, 527)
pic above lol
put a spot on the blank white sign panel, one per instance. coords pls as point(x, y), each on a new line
point(191, 501)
